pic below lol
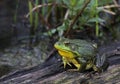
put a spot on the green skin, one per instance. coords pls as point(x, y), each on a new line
point(84, 52)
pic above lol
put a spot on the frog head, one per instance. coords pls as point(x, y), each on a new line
point(64, 48)
point(62, 44)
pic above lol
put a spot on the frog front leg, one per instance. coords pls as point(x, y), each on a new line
point(73, 61)
point(66, 61)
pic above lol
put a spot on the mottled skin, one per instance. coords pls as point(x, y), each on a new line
point(81, 53)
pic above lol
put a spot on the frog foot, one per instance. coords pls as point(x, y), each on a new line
point(74, 61)
point(78, 66)
point(101, 63)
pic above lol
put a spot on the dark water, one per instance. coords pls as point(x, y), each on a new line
point(8, 32)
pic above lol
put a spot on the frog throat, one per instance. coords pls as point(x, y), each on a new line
point(67, 54)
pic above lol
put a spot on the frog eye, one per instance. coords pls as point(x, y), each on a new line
point(66, 43)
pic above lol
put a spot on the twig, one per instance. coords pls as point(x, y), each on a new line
point(76, 17)
point(38, 6)
point(105, 8)
point(48, 25)
point(66, 15)
point(109, 6)
point(116, 3)
point(108, 11)
point(51, 54)
point(42, 5)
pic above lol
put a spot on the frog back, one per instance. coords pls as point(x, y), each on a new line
point(84, 48)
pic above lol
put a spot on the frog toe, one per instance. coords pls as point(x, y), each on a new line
point(69, 64)
point(64, 63)
point(78, 66)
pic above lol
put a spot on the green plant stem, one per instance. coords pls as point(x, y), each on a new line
point(15, 16)
point(31, 16)
point(36, 16)
point(97, 27)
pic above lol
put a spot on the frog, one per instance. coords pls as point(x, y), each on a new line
point(81, 53)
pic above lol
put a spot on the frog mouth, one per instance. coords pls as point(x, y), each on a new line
point(61, 49)
point(64, 52)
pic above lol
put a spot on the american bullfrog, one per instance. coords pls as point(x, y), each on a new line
point(81, 53)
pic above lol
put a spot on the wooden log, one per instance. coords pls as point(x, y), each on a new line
point(52, 72)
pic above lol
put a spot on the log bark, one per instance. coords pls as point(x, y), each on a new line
point(52, 72)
